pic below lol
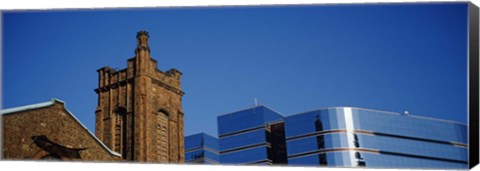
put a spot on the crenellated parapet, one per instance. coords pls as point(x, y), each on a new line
point(110, 78)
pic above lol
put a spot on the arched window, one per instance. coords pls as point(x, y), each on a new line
point(163, 112)
point(161, 134)
point(121, 131)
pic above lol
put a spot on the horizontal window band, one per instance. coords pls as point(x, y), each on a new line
point(194, 160)
point(268, 161)
point(211, 150)
point(245, 148)
point(202, 159)
point(376, 152)
point(249, 163)
point(202, 148)
point(211, 161)
point(424, 157)
point(332, 150)
point(375, 134)
point(193, 149)
point(242, 131)
point(421, 139)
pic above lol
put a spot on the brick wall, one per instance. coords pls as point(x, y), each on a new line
point(57, 124)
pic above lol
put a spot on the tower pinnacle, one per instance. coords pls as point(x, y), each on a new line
point(142, 41)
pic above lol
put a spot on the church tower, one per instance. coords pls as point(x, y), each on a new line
point(139, 112)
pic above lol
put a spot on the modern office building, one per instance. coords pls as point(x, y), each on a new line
point(341, 137)
point(252, 136)
point(356, 137)
point(201, 148)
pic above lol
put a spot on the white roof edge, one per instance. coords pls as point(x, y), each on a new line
point(29, 107)
point(49, 103)
point(193, 134)
point(411, 115)
point(326, 108)
point(247, 108)
point(437, 119)
point(200, 134)
point(380, 111)
point(274, 110)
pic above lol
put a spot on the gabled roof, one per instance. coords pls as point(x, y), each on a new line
point(51, 103)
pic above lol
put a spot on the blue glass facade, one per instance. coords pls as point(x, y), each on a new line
point(341, 137)
point(248, 137)
point(355, 137)
point(201, 149)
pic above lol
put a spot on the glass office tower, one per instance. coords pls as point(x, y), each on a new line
point(338, 137)
point(355, 137)
point(252, 136)
point(201, 149)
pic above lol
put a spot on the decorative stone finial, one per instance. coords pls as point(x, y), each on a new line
point(142, 41)
point(142, 32)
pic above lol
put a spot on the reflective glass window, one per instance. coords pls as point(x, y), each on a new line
point(243, 139)
point(372, 160)
point(414, 147)
point(383, 143)
point(211, 155)
point(245, 156)
point(391, 161)
point(306, 123)
point(192, 155)
point(407, 125)
point(200, 140)
point(315, 143)
point(210, 142)
point(272, 116)
point(193, 141)
point(375, 121)
point(199, 147)
point(331, 159)
point(246, 119)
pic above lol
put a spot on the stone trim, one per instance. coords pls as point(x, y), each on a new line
point(155, 81)
point(168, 87)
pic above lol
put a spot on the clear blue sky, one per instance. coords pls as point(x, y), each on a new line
point(292, 58)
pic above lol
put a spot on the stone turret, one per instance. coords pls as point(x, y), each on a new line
point(142, 41)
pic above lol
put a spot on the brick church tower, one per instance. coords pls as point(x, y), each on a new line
point(139, 112)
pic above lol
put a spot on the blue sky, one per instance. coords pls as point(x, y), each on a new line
point(291, 58)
